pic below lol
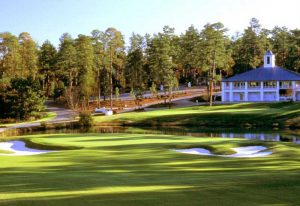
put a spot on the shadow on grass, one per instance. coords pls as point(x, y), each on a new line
point(143, 171)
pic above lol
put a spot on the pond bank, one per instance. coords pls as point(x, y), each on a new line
point(243, 115)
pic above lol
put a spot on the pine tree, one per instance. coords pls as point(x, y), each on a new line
point(134, 69)
point(161, 60)
point(280, 43)
point(47, 65)
point(250, 47)
point(115, 58)
point(10, 58)
point(214, 53)
point(29, 56)
point(68, 69)
point(85, 64)
point(99, 59)
point(188, 54)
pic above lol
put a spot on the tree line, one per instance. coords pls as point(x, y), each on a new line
point(99, 64)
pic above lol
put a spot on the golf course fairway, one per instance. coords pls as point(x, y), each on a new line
point(140, 169)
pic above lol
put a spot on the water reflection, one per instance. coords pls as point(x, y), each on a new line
point(273, 135)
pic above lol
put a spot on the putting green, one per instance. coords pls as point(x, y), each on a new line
point(263, 115)
point(137, 169)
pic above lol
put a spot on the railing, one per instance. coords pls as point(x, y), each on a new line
point(240, 87)
point(270, 86)
point(285, 86)
point(285, 98)
point(253, 87)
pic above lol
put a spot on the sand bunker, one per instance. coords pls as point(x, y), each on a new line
point(19, 149)
point(249, 151)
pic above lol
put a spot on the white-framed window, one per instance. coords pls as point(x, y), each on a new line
point(227, 84)
point(270, 84)
point(253, 84)
point(285, 84)
point(239, 85)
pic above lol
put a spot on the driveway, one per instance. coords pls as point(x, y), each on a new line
point(62, 114)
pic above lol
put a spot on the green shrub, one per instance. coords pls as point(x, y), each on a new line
point(85, 119)
point(153, 90)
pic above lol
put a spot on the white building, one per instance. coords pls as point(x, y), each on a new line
point(266, 83)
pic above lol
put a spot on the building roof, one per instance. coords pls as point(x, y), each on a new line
point(268, 52)
point(265, 74)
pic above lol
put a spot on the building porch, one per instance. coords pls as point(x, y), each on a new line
point(268, 91)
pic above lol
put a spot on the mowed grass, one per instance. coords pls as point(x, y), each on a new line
point(136, 169)
point(234, 115)
point(48, 116)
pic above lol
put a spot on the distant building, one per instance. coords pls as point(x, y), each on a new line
point(267, 83)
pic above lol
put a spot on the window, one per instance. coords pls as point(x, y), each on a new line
point(253, 84)
point(268, 60)
point(270, 84)
point(285, 84)
point(239, 84)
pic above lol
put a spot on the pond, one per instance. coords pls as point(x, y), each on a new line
point(264, 135)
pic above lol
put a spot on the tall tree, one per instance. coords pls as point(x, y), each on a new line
point(214, 53)
point(114, 51)
point(85, 63)
point(293, 60)
point(135, 73)
point(250, 47)
point(10, 59)
point(280, 41)
point(188, 53)
point(99, 58)
point(29, 55)
point(161, 64)
point(47, 65)
point(68, 69)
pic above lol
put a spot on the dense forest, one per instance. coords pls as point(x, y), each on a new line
point(99, 64)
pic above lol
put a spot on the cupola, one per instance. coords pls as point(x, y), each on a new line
point(269, 59)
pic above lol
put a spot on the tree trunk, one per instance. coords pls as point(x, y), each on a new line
point(212, 79)
point(210, 93)
point(170, 96)
point(99, 89)
point(111, 86)
point(220, 80)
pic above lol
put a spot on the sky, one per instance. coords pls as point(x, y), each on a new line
point(49, 19)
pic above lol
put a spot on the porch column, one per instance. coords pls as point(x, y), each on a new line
point(294, 90)
point(223, 92)
point(261, 91)
point(277, 92)
point(230, 92)
point(246, 91)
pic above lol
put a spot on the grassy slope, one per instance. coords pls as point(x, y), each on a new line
point(48, 116)
point(131, 169)
point(236, 115)
point(5, 152)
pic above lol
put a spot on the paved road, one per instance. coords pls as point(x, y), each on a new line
point(126, 96)
point(62, 114)
point(180, 101)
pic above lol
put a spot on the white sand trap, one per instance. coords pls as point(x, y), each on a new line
point(249, 151)
point(19, 149)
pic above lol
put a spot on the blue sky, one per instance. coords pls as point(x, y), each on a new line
point(49, 19)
